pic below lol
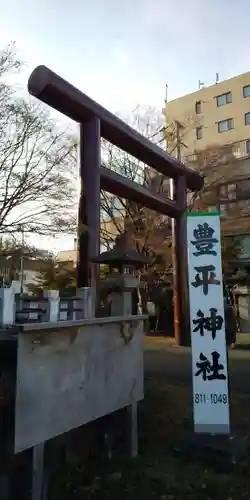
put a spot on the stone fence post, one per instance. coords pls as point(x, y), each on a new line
point(52, 306)
point(7, 306)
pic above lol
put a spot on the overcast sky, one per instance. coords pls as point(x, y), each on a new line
point(124, 53)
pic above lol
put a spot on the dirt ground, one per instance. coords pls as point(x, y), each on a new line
point(161, 471)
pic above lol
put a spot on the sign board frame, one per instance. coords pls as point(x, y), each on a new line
point(207, 324)
point(67, 377)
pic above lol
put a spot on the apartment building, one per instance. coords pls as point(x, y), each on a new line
point(214, 135)
point(214, 115)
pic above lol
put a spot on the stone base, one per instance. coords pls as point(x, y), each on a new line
point(223, 452)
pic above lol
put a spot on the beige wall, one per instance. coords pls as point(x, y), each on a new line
point(183, 109)
point(67, 255)
point(109, 231)
point(111, 228)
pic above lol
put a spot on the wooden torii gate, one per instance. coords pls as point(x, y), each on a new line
point(97, 122)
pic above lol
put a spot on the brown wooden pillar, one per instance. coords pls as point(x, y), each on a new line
point(181, 262)
point(89, 203)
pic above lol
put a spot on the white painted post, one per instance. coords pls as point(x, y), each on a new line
point(207, 323)
point(7, 306)
point(53, 305)
point(16, 286)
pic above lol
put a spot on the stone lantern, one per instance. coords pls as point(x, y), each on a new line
point(121, 282)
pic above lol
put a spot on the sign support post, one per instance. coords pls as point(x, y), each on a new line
point(207, 324)
point(212, 440)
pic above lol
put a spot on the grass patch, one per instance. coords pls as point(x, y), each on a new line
point(150, 339)
point(244, 347)
point(159, 473)
point(242, 341)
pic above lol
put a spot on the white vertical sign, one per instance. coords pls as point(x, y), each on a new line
point(207, 323)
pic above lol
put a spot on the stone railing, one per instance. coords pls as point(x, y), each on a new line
point(17, 308)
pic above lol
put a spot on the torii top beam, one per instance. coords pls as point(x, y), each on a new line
point(64, 97)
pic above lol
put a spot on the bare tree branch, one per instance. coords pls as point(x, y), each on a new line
point(37, 164)
point(150, 231)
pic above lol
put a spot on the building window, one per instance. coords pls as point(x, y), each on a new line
point(111, 208)
point(223, 191)
point(228, 191)
point(236, 151)
point(231, 191)
point(115, 207)
point(248, 146)
point(246, 91)
point(225, 125)
point(224, 99)
point(198, 107)
point(243, 189)
point(198, 132)
point(247, 118)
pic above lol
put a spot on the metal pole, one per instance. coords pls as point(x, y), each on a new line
point(181, 263)
point(176, 276)
point(22, 263)
point(176, 300)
